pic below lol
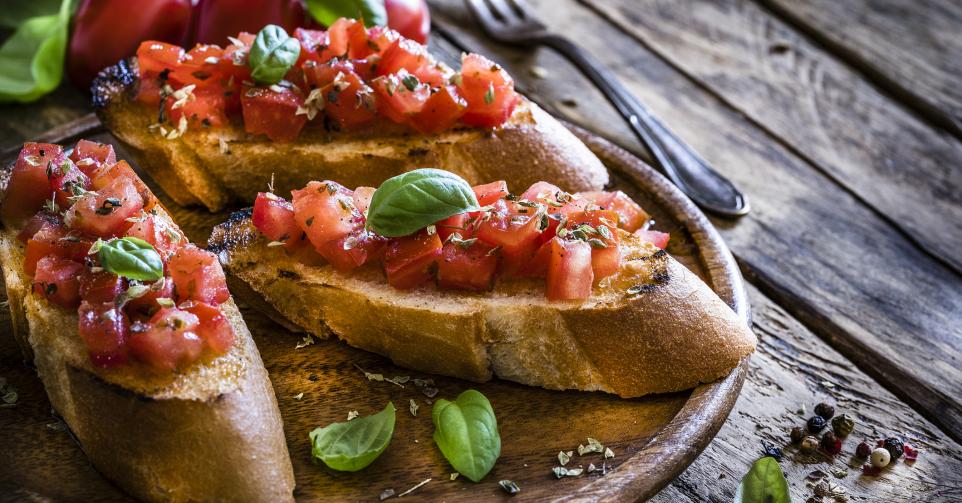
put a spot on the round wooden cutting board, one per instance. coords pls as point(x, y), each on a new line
point(653, 438)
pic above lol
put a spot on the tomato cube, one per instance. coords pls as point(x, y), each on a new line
point(58, 279)
point(89, 155)
point(105, 213)
point(412, 57)
point(274, 218)
point(162, 234)
point(441, 111)
point(100, 287)
point(630, 215)
point(516, 230)
point(399, 98)
point(410, 261)
point(33, 225)
point(28, 187)
point(347, 100)
point(53, 240)
point(154, 57)
point(106, 174)
point(146, 305)
point(569, 270)
point(657, 238)
point(206, 107)
point(103, 328)
point(325, 211)
point(455, 224)
point(273, 112)
point(489, 91)
point(213, 327)
point(66, 180)
point(362, 199)
point(467, 266)
point(490, 193)
point(599, 229)
point(168, 341)
point(198, 276)
point(353, 250)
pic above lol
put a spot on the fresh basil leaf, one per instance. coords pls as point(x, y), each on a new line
point(328, 11)
point(414, 200)
point(32, 59)
point(130, 257)
point(15, 12)
point(764, 483)
point(466, 431)
point(273, 53)
point(351, 446)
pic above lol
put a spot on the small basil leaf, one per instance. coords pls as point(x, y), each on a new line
point(32, 59)
point(466, 431)
point(132, 258)
point(326, 12)
point(764, 483)
point(414, 200)
point(272, 55)
point(351, 446)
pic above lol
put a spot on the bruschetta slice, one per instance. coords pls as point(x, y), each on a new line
point(140, 347)
point(546, 288)
point(358, 106)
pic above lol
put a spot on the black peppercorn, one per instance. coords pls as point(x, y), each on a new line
point(797, 435)
point(895, 447)
point(771, 450)
point(825, 410)
point(816, 424)
point(863, 450)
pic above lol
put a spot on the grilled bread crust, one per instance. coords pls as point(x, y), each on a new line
point(210, 433)
point(216, 166)
point(672, 335)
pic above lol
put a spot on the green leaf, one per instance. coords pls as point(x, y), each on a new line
point(15, 12)
point(328, 11)
point(32, 59)
point(351, 446)
point(130, 257)
point(414, 200)
point(273, 53)
point(466, 431)
point(764, 483)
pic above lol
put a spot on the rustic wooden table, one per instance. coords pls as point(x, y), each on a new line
point(842, 121)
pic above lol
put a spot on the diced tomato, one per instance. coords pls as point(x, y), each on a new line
point(404, 54)
point(469, 267)
point(631, 215)
point(312, 42)
point(325, 211)
point(148, 91)
point(200, 67)
point(362, 198)
point(516, 230)
point(538, 265)
point(99, 287)
point(154, 57)
point(53, 240)
point(381, 37)
point(28, 187)
point(455, 224)
point(165, 237)
point(105, 213)
point(33, 225)
point(207, 107)
point(353, 250)
point(489, 91)
point(105, 175)
point(168, 341)
point(66, 179)
point(213, 327)
point(274, 218)
point(58, 279)
point(605, 255)
point(103, 328)
point(569, 270)
point(490, 193)
point(89, 155)
point(272, 112)
point(400, 96)
point(441, 111)
point(410, 260)
point(198, 276)
point(347, 100)
point(657, 238)
point(146, 305)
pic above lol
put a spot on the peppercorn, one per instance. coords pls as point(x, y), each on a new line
point(809, 444)
point(829, 443)
point(881, 457)
point(816, 424)
point(771, 450)
point(797, 435)
point(843, 425)
point(863, 450)
point(895, 447)
point(825, 410)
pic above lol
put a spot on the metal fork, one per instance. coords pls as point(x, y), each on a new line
point(512, 22)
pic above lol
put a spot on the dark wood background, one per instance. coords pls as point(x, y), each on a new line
point(842, 121)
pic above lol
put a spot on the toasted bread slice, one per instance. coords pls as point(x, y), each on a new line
point(216, 166)
point(672, 335)
point(211, 432)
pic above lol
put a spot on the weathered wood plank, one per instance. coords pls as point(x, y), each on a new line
point(20, 123)
point(825, 255)
point(912, 49)
point(793, 368)
point(876, 149)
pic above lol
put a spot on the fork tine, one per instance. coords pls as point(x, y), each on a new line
point(503, 11)
point(483, 13)
point(521, 7)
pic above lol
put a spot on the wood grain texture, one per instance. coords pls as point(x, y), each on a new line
point(821, 108)
point(793, 368)
point(655, 438)
point(890, 309)
point(913, 49)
